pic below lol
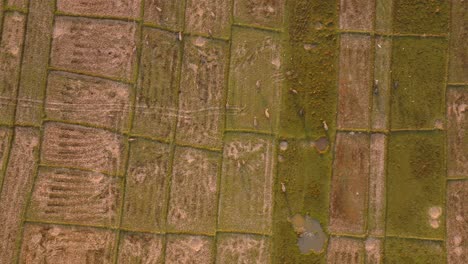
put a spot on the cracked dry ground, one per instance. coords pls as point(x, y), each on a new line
point(233, 131)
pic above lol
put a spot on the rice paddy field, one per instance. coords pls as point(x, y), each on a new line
point(233, 131)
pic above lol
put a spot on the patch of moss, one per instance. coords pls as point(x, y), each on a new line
point(415, 183)
point(304, 175)
point(421, 16)
point(399, 251)
point(418, 82)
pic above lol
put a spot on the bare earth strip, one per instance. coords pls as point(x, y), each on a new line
point(83, 147)
point(141, 248)
point(246, 184)
point(348, 195)
point(354, 81)
point(166, 14)
point(146, 189)
point(88, 100)
point(185, 249)
point(193, 200)
point(377, 195)
point(96, 46)
point(242, 248)
point(157, 89)
point(383, 15)
point(458, 63)
point(35, 63)
point(21, 4)
point(16, 186)
point(5, 137)
point(457, 132)
point(59, 244)
point(76, 197)
point(208, 17)
point(381, 87)
point(457, 222)
point(374, 250)
point(117, 8)
point(356, 14)
point(345, 250)
point(202, 93)
point(11, 46)
point(266, 13)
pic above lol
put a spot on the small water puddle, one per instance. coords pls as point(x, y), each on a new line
point(311, 236)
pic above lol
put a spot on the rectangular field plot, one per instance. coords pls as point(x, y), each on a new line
point(304, 172)
point(73, 196)
point(457, 132)
point(242, 248)
point(193, 200)
point(246, 184)
point(35, 63)
point(141, 248)
point(59, 244)
point(145, 203)
point(17, 184)
point(457, 222)
point(156, 95)
point(354, 81)
point(376, 225)
point(458, 47)
point(357, 14)
point(418, 73)
point(115, 8)
point(208, 17)
point(89, 100)
point(254, 81)
point(381, 86)
point(345, 250)
point(310, 91)
point(11, 46)
point(184, 249)
point(399, 250)
point(416, 185)
point(374, 250)
point(21, 4)
point(266, 13)
point(348, 199)
point(97, 46)
point(5, 137)
point(166, 14)
point(83, 147)
point(202, 93)
point(421, 17)
point(383, 15)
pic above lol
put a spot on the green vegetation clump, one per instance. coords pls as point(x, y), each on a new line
point(399, 250)
point(421, 16)
point(415, 183)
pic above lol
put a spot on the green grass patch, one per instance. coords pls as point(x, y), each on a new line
point(399, 251)
point(415, 183)
point(305, 175)
point(418, 82)
point(309, 94)
point(421, 16)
